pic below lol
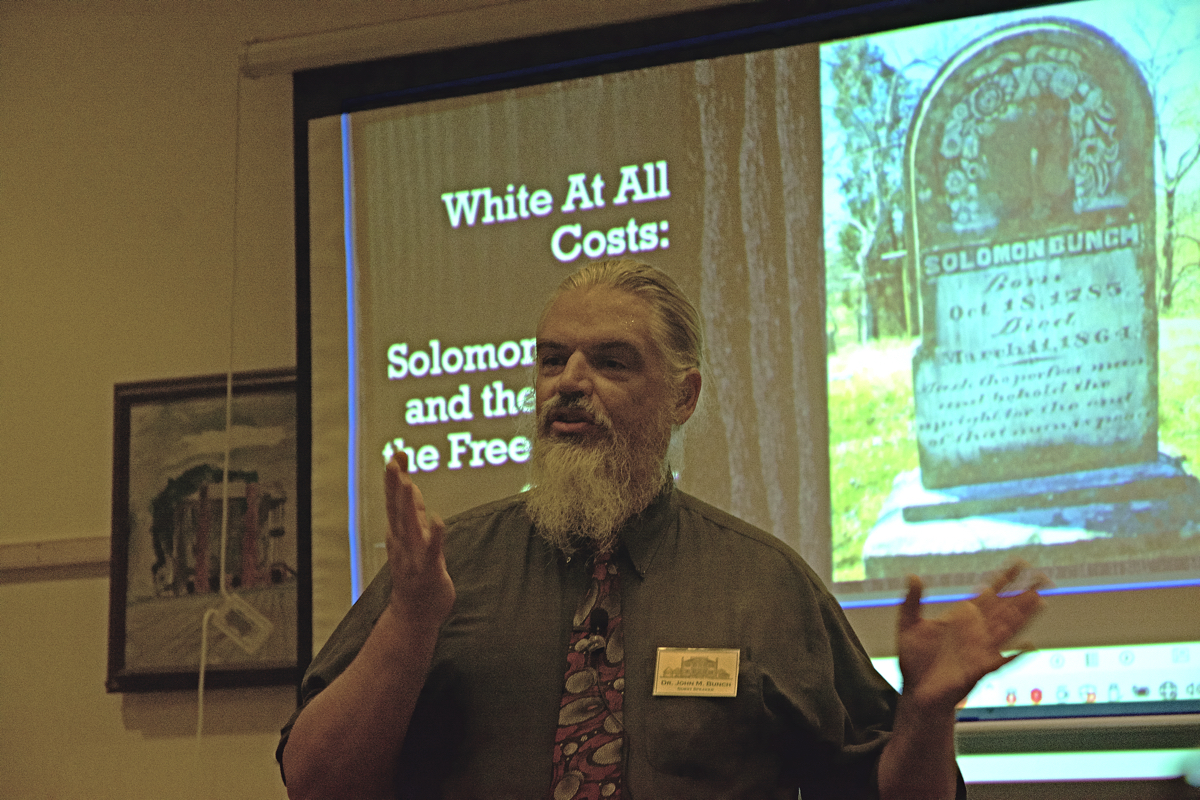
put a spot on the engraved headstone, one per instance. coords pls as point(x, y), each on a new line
point(1030, 167)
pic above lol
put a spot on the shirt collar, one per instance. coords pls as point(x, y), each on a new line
point(643, 534)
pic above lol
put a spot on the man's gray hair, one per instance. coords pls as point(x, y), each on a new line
point(675, 325)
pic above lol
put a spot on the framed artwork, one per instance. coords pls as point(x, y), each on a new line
point(201, 563)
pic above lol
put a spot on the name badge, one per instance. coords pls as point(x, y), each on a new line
point(696, 672)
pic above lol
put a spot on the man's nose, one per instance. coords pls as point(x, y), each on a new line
point(576, 377)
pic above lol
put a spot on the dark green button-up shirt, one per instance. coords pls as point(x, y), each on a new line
point(810, 713)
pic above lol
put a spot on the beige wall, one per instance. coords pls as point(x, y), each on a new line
point(120, 128)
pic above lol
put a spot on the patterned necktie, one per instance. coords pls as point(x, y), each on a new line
point(588, 747)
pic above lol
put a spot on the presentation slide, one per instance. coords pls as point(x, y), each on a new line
point(464, 214)
point(948, 277)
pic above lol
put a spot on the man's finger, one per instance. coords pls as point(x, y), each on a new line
point(391, 489)
point(1007, 616)
point(1022, 648)
point(437, 537)
point(1008, 576)
point(393, 484)
point(414, 508)
point(405, 507)
point(910, 609)
point(1025, 606)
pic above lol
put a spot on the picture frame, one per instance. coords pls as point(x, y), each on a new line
point(174, 515)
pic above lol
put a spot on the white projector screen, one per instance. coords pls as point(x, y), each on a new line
point(941, 328)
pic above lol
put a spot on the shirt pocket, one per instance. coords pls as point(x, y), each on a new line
point(711, 738)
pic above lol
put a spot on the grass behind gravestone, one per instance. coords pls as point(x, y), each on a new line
point(1179, 390)
point(871, 440)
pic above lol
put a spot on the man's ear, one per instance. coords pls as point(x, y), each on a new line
point(689, 395)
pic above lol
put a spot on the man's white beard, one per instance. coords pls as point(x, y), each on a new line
point(585, 488)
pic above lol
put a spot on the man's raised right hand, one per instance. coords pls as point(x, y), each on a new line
point(422, 590)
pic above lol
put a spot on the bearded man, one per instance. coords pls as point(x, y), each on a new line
point(517, 651)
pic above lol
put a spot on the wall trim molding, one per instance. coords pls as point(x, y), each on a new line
point(19, 558)
point(493, 22)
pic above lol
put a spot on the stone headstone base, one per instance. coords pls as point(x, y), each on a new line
point(1107, 516)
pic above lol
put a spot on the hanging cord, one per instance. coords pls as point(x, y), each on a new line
point(224, 592)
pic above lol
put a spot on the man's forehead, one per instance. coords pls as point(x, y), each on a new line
point(598, 312)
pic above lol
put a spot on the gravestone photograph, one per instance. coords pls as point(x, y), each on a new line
point(1030, 230)
point(1033, 227)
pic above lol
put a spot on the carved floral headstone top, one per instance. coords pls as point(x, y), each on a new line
point(1030, 172)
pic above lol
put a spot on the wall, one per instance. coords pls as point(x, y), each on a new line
point(121, 123)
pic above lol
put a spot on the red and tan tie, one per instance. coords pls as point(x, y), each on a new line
point(588, 746)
